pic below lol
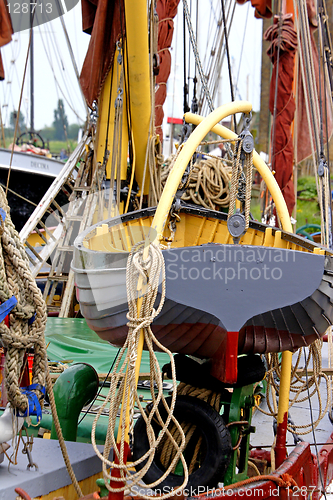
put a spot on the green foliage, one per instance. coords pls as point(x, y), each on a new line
point(12, 120)
point(73, 131)
point(56, 146)
point(60, 123)
point(306, 188)
point(47, 133)
point(307, 210)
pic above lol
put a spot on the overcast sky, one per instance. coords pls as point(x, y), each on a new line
point(52, 65)
point(51, 51)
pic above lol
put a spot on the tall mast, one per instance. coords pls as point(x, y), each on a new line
point(32, 89)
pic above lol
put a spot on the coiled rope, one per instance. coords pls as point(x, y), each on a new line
point(208, 182)
point(298, 386)
point(166, 449)
point(16, 280)
point(151, 272)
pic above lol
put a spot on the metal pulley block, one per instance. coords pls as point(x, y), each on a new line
point(248, 142)
point(321, 167)
point(246, 136)
point(236, 226)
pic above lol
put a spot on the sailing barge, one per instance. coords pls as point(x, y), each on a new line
point(235, 291)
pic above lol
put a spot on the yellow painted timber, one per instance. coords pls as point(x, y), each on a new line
point(139, 78)
point(106, 124)
point(278, 241)
point(258, 162)
point(68, 492)
point(269, 238)
point(192, 231)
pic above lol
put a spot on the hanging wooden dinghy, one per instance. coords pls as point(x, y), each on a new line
point(274, 288)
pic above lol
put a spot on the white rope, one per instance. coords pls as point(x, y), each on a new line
point(299, 385)
point(151, 272)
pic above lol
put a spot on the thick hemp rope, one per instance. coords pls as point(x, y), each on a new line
point(298, 386)
point(208, 182)
point(150, 272)
point(166, 449)
point(237, 179)
point(16, 280)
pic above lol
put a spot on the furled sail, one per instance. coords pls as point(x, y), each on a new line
point(5, 32)
point(96, 17)
point(166, 11)
point(281, 51)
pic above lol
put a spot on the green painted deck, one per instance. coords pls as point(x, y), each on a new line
point(71, 339)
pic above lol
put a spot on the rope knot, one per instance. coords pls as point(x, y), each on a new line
point(288, 481)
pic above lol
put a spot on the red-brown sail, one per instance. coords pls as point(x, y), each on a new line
point(96, 16)
point(6, 31)
point(166, 10)
point(281, 51)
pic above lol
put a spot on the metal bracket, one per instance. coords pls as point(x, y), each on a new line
point(27, 450)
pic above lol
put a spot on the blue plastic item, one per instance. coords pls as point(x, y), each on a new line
point(7, 306)
point(33, 406)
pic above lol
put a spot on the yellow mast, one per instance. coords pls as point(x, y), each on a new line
point(139, 78)
point(134, 89)
point(106, 123)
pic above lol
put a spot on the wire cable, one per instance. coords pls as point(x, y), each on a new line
point(228, 59)
point(100, 389)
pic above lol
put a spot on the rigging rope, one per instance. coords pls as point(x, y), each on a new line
point(241, 185)
point(16, 280)
point(228, 59)
point(197, 56)
point(298, 386)
point(116, 156)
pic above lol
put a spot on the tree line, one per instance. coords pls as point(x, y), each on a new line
point(60, 130)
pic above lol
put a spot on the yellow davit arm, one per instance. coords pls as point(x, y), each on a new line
point(283, 213)
point(205, 125)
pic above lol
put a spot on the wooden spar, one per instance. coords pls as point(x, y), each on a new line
point(137, 70)
point(139, 86)
point(106, 123)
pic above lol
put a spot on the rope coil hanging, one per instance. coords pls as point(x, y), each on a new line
point(208, 181)
point(123, 379)
point(166, 448)
point(298, 386)
point(28, 317)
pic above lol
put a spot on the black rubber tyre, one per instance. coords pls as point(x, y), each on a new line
point(251, 369)
point(216, 444)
